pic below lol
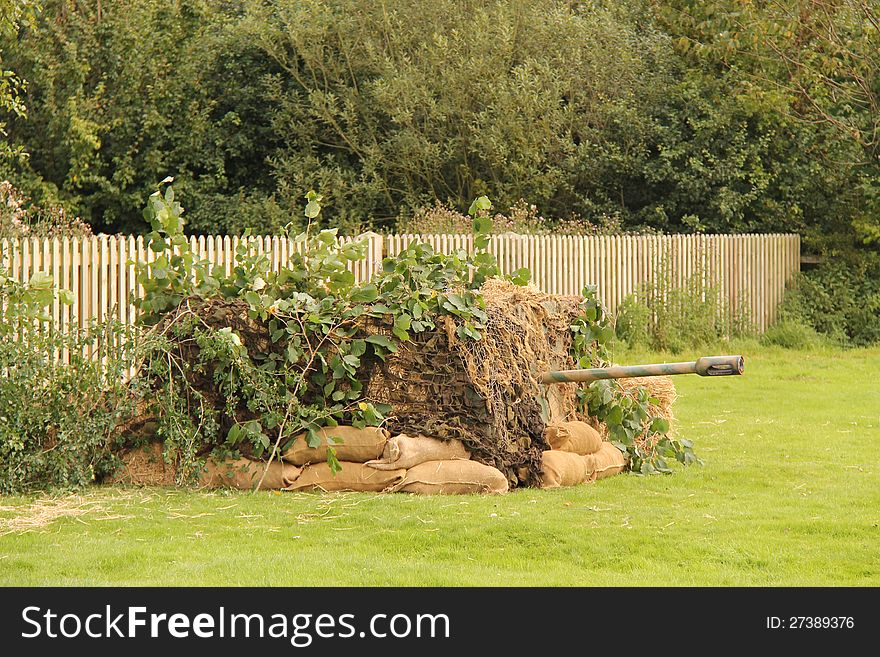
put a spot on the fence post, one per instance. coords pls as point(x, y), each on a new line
point(375, 254)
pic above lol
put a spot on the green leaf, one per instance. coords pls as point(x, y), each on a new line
point(365, 294)
point(615, 416)
point(480, 204)
point(234, 435)
point(65, 297)
point(382, 341)
point(41, 281)
point(333, 462)
point(660, 425)
point(313, 438)
point(521, 276)
point(457, 301)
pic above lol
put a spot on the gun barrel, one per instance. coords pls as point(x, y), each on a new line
point(705, 366)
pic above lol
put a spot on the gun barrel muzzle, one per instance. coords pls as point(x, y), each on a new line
point(705, 366)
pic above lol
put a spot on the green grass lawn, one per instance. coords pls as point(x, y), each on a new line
point(789, 495)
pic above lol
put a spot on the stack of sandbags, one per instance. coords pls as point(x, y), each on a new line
point(437, 467)
point(353, 447)
point(578, 456)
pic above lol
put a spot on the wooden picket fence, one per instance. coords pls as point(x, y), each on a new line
point(749, 272)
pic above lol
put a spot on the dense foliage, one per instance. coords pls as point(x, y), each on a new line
point(674, 115)
point(56, 419)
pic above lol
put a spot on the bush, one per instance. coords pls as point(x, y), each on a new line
point(55, 419)
point(792, 333)
point(840, 299)
point(674, 318)
point(633, 322)
point(584, 108)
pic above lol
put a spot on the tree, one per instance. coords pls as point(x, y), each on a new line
point(13, 14)
point(817, 62)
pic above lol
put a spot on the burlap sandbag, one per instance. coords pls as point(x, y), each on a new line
point(607, 462)
point(456, 477)
point(353, 477)
point(563, 469)
point(407, 451)
point(358, 445)
point(576, 437)
point(245, 474)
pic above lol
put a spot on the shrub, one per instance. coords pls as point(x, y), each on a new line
point(673, 318)
point(632, 324)
point(792, 333)
point(840, 299)
point(55, 419)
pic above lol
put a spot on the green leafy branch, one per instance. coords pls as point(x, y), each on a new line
point(632, 428)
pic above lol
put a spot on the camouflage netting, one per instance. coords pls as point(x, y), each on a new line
point(485, 392)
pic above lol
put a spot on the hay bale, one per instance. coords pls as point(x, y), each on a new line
point(144, 466)
point(147, 466)
point(661, 387)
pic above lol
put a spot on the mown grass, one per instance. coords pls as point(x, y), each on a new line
point(789, 495)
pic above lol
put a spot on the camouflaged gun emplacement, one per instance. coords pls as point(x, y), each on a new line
point(705, 366)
